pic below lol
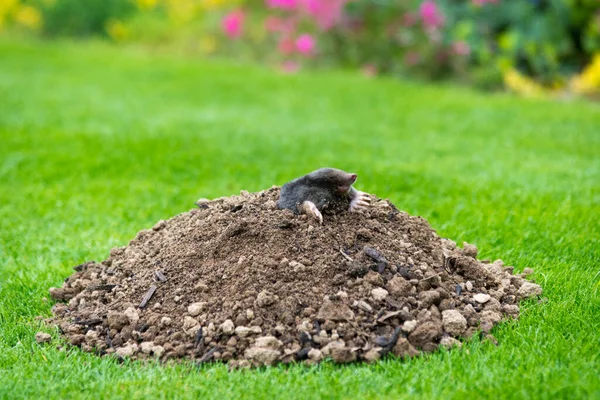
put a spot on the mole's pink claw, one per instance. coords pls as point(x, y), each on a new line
point(309, 208)
point(360, 201)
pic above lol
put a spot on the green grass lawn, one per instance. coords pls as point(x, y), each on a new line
point(97, 143)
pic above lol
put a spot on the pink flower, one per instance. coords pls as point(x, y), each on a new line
point(288, 25)
point(290, 67)
point(282, 25)
point(433, 34)
point(282, 4)
point(461, 48)
point(273, 24)
point(326, 13)
point(312, 6)
point(430, 14)
point(305, 44)
point(233, 24)
point(286, 45)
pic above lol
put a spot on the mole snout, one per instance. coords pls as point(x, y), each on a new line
point(345, 184)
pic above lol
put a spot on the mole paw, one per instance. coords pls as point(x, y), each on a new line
point(360, 201)
point(309, 208)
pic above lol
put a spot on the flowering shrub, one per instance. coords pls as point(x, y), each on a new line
point(233, 24)
point(529, 46)
point(399, 37)
point(546, 40)
point(82, 18)
point(21, 13)
point(588, 82)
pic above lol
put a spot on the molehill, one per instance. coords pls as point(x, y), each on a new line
point(238, 280)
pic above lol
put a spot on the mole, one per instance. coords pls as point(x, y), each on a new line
point(324, 188)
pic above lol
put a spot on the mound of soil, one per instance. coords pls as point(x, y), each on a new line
point(240, 281)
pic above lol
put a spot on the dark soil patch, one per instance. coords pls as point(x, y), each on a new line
point(238, 280)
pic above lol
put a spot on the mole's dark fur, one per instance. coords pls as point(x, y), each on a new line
point(325, 187)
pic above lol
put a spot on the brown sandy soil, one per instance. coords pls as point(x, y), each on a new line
point(240, 281)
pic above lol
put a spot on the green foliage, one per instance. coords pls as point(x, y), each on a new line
point(542, 38)
point(82, 17)
point(474, 41)
point(110, 151)
point(548, 40)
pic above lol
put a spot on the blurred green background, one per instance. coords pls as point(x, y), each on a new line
point(531, 47)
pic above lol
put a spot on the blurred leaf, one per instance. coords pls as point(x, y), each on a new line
point(82, 18)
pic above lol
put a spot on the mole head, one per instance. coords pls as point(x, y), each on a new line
point(335, 179)
point(346, 181)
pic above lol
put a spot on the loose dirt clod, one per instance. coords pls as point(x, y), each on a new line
point(43, 337)
point(238, 280)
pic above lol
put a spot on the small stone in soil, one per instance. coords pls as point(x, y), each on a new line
point(43, 337)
